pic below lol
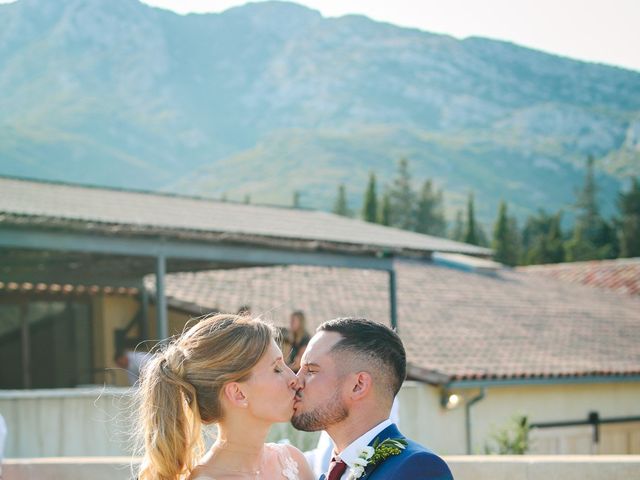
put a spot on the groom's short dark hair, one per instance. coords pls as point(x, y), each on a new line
point(374, 340)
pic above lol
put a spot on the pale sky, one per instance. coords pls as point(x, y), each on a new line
point(605, 31)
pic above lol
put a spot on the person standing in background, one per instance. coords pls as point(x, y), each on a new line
point(132, 362)
point(298, 339)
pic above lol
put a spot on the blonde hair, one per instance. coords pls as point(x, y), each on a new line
point(180, 389)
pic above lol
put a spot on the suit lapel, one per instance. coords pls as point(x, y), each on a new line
point(390, 432)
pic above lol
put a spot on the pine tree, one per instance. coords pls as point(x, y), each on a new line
point(385, 210)
point(593, 237)
point(457, 232)
point(430, 217)
point(247, 198)
point(296, 199)
point(483, 239)
point(629, 222)
point(370, 205)
point(505, 240)
point(542, 239)
point(588, 216)
point(341, 206)
point(402, 198)
point(579, 247)
point(471, 230)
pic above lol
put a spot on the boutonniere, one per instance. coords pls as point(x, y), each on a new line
point(373, 455)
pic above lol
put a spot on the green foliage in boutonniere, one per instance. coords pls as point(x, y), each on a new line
point(386, 449)
point(375, 454)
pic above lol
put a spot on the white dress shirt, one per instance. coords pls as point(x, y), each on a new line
point(319, 457)
point(351, 452)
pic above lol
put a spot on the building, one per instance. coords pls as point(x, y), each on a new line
point(498, 342)
point(84, 268)
point(72, 260)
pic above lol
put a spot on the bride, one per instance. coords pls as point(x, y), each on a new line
point(227, 370)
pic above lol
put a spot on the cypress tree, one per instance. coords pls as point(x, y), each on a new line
point(430, 217)
point(458, 227)
point(629, 223)
point(592, 236)
point(505, 241)
point(470, 231)
point(385, 210)
point(370, 204)
point(402, 198)
point(341, 206)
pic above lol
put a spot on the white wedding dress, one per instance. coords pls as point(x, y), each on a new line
point(275, 452)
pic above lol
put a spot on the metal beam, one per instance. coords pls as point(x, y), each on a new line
point(393, 300)
point(161, 299)
point(245, 255)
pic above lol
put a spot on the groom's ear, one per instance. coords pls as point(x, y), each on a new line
point(362, 385)
point(234, 394)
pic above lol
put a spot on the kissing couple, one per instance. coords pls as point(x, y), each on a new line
point(228, 370)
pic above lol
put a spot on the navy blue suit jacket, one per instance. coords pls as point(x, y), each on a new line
point(415, 462)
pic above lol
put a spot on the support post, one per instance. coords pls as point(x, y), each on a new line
point(26, 345)
point(393, 300)
point(161, 300)
point(144, 307)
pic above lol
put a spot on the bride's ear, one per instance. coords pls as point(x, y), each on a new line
point(234, 395)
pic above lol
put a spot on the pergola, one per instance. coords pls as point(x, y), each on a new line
point(71, 234)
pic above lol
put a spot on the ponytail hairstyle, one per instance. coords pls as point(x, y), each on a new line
point(180, 389)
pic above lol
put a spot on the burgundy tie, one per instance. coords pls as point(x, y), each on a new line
point(336, 469)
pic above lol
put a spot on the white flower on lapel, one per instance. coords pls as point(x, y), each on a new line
point(360, 463)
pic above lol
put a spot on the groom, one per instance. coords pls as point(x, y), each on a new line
point(350, 373)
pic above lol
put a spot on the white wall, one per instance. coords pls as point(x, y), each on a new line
point(422, 418)
point(94, 422)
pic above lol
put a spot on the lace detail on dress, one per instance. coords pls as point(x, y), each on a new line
point(289, 465)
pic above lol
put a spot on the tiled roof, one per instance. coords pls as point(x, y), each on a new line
point(125, 212)
point(461, 324)
point(621, 275)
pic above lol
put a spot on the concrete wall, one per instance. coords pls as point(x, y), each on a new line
point(463, 468)
point(66, 422)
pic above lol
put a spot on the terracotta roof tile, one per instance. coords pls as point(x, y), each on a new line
point(621, 275)
point(465, 325)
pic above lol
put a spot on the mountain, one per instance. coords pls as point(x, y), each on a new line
point(271, 97)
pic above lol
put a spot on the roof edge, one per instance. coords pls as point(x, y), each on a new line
point(545, 380)
point(162, 193)
point(432, 377)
